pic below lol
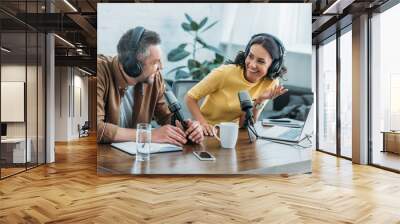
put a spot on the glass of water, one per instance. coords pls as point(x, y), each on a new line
point(143, 140)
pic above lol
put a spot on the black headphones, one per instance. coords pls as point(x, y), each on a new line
point(277, 63)
point(130, 63)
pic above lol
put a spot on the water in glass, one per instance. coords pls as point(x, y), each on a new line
point(143, 140)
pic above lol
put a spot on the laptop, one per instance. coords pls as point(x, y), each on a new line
point(284, 133)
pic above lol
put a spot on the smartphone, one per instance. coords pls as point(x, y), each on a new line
point(204, 156)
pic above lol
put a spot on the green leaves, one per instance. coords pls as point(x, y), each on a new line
point(208, 27)
point(192, 64)
point(203, 22)
point(178, 53)
point(218, 59)
point(186, 27)
point(177, 68)
point(201, 41)
point(180, 74)
point(195, 69)
point(216, 50)
point(188, 18)
point(209, 47)
point(192, 25)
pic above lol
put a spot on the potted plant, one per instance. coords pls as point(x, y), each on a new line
point(194, 68)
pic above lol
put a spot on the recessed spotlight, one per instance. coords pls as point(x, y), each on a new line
point(71, 6)
point(84, 71)
point(64, 40)
point(5, 50)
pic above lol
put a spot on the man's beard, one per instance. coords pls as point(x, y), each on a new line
point(149, 80)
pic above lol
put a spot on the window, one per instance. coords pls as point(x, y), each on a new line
point(22, 75)
point(346, 94)
point(327, 97)
point(385, 85)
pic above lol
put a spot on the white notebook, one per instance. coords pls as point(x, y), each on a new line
point(130, 147)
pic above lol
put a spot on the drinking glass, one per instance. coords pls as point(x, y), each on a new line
point(143, 140)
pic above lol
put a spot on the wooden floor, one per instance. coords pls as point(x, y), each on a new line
point(387, 159)
point(70, 191)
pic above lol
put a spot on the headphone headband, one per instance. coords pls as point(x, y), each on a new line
point(131, 64)
point(137, 34)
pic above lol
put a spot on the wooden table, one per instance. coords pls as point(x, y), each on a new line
point(261, 157)
point(391, 141)
point(13, 151)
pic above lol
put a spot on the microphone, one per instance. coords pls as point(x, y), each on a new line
point(246, 104)
point(175, 107)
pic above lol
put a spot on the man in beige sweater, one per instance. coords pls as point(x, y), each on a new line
point(130, 90)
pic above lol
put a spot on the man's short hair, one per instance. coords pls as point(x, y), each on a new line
point(126, 48)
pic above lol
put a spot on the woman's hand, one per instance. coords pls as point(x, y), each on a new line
point(207, 129)
point(272, 93)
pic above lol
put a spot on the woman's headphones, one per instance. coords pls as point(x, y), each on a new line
point(130, 63)
point(277, 63)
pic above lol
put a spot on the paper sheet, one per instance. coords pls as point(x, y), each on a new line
point(130, 147)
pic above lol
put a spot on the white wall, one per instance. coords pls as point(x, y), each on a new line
point(67, 115)
point(15, 72)
point(61, 103)
point(33, 126)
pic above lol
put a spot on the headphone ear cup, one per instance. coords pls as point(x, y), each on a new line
point(136, 69)
point(129, 67)
point(246, 52)
point(273, 69)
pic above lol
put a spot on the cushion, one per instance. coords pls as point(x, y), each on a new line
point(295, 100)
point(308, 99)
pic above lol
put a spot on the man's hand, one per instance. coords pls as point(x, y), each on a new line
point(194, 131)
point(169, 134)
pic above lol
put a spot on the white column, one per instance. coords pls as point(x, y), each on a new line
point(50, 108)
point(360, 90)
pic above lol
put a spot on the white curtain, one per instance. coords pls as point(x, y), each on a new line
point(291, 23)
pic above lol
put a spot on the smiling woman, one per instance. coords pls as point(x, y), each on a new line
point(256, 70)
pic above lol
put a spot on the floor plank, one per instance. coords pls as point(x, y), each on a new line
point(69, 191)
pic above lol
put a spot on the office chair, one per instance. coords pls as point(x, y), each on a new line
point(180, 88)
point(84, 130)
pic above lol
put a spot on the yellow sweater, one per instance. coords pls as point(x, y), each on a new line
point(221, 88)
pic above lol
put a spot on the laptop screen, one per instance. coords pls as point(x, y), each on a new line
point(291, 109)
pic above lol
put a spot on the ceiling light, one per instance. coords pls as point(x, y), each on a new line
point(5, 50)
point(84, 71)
point(70, 5)
point(65, 41)
point(338, 6)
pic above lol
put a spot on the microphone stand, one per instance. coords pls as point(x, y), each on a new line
point(251, 130)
